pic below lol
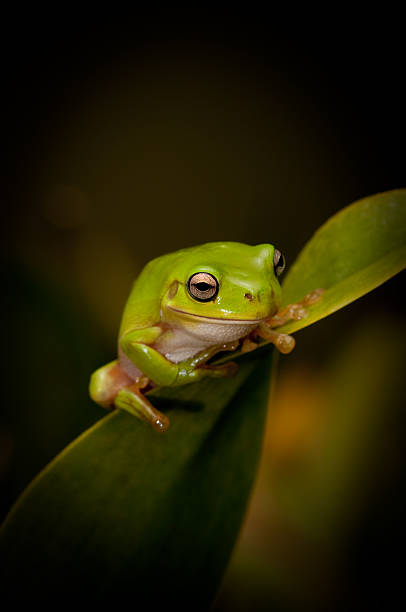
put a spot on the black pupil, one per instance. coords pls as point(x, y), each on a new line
point(202, 286)
point(280, 261)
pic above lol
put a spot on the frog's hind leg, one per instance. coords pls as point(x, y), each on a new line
point(111, 387)
point(133, 401)
point(106, 382)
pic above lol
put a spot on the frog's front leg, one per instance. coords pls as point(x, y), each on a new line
point(195, 368)
point(283, 342)
point(163, 372)
point(295, 311)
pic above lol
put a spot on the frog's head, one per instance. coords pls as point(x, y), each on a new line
point(225, 281)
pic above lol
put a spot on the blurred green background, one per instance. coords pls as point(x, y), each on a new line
point(122, 143)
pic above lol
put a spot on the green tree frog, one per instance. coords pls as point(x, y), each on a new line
point(183, 309)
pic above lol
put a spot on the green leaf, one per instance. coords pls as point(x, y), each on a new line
point(356, 250)
point(125, 514)
point(52, 344)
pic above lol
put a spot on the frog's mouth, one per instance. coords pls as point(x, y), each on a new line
point(219, 320)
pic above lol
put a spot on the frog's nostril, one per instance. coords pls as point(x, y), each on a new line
point(248, 296)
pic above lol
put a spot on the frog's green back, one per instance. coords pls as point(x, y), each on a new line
point(144, 303)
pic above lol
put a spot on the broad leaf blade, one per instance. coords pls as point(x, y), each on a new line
point(125, 512)
point(51, 337)
point(356, 250)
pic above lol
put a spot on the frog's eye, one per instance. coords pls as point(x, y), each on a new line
point(203, 286)
point(278, 262)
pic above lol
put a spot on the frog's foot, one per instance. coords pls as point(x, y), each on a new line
point(248, 344)
point(295, 312)
point(201, 358)
point(226, 370)
point(230, 346)
point(133, 401)
point(283, 342)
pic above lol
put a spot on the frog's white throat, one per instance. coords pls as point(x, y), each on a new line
point(194, 334)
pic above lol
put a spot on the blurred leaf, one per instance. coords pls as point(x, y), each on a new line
point(125, 513)
point(330, 515)
point(356, 250)
point(52, 344)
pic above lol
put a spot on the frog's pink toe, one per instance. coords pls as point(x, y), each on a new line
point(161, 423)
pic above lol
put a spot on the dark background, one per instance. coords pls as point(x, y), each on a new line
point(128, 139)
